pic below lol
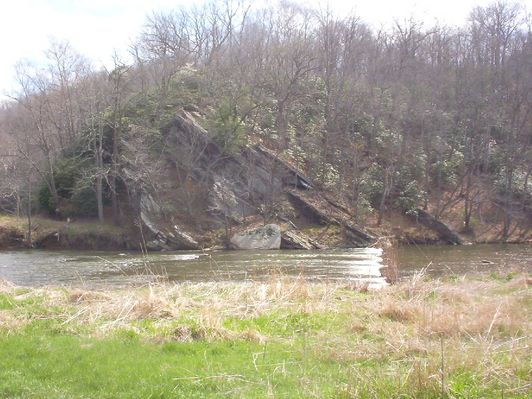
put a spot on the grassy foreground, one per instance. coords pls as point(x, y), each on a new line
point(465, 338)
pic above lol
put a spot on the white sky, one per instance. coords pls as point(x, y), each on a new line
point(97, 28)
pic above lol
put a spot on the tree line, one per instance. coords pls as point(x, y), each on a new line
point(406, 117)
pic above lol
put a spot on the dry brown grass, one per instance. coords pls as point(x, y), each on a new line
point(207, 304)
point(479, 325)
point(403, 315)
point(462, 308)
point(6, 286)
point(11, 322)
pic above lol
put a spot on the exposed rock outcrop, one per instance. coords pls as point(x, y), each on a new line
point(265, 237)
point(444, 232)
point(289, 175)
point(291, 239)
point(319, 209)
point(165, 238)
point(230, 189)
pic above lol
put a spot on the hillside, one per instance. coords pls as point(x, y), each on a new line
point(232, 117)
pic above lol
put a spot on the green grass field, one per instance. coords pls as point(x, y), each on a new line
point(282, 339)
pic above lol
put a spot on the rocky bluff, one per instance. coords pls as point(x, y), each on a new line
point(201, 195)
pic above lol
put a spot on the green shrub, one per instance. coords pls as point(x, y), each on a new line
point(83, 201)
point(409, 197)
point(46, 201)
point(227, 128)
point(72, 191)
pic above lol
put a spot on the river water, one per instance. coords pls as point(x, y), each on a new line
point(104, 269)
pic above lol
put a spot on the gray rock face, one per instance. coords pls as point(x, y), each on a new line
point(166, 238)
point(225, 202)
point(297, 240)
point(265, 237)
point(445, 233)
point(324, 211)
point(226, 189)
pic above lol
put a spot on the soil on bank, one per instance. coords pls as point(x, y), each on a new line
point(91, 235)
point(53, 234)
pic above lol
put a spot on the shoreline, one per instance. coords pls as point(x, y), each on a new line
point(90, 235)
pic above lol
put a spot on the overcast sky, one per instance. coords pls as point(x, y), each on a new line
point(97, 28)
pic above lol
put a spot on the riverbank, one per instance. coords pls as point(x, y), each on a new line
point(283, 338)
point(55, 234)
point(91, 235)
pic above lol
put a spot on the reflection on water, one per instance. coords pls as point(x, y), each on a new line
point(96, 269)
point(100, 269)
point(464, 259)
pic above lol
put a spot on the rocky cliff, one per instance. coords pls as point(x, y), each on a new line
point(201, 189)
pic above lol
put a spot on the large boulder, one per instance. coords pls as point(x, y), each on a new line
point(265, 237)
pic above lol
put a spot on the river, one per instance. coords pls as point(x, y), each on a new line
point(113, 269)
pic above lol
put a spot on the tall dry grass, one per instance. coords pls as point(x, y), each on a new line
point(423, 330)
point(460, 308)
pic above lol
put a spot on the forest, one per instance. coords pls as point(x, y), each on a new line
point(388, 121)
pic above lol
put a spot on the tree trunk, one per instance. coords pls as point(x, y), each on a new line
point(99, 179)
point(114, 199)
point(386, 190)
point(18, 200)
point(508, 204)
point(99, 197)
point(52, 187)
point(468, 206)
point(281, 124)
point(525, 190)
point(28, 215)
point(114, 172)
